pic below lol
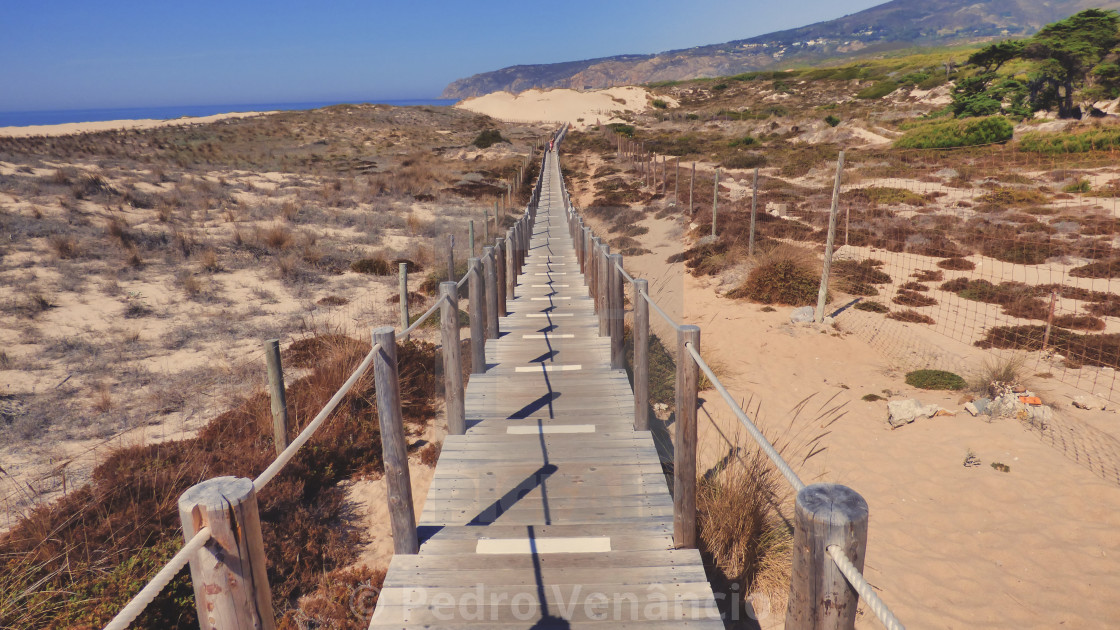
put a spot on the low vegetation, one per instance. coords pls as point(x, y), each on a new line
point(957, 133)
point(935, 379)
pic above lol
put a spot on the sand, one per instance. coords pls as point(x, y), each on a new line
point(65, 129)
point(580, 108)
point(949, 546)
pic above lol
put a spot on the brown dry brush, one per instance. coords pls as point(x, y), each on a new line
point(76, 562)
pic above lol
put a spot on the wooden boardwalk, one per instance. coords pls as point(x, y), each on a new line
point(551, 511)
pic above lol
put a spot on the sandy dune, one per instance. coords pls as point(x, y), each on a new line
point(581, 109)
point(65, 129)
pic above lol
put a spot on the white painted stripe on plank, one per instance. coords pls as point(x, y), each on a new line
point(552, 273)
point(550, 368)
point(543, 336)
point(554, 297)
point(549, 314)
point(553, 428)
point(576, 544)
point(549, 286)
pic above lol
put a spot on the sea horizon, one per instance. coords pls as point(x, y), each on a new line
point(168, 112)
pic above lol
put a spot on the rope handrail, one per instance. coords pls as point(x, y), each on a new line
point(305, 435)
point(659, 311)
point(420, 320)
point(863, 587)
point(763, 443)
point(140, 601)
point(629, 278)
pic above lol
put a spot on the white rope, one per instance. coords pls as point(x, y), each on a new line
point(763, 443)
point(283, 458)
point(866, 593)
point(141, 600)
point(660, 312)
point(416, 324)
point(629, 278)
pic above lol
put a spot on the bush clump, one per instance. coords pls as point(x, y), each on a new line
point(488, 138)
point(957, 133)
point(935, 379)
point(1102, 139)
point(872, 306)
point(911, 316)
point(907, 297)
point(956, 264)
point(376, 266)
point(877, 90)
point(786, 275)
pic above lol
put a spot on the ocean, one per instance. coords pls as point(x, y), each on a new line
point(55, 117)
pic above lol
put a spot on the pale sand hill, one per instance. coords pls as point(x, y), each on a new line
point(581, 109)
point(65, 129)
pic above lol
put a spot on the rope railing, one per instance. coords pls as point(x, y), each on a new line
point(140, 601)
point(420, 320)
point(768, 448)
point(863, 587)
point(660, 311)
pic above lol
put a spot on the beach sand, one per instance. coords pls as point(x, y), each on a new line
point(65, 129)
point(580, 108)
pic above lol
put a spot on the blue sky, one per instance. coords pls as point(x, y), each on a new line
point(76, 54)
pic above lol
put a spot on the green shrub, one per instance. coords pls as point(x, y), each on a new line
point(877, 90)
point(1100, 139)
point(935, 379)
point(783, 280)
point(744, 160)
point(832, 120)
point(659, 103)
point(1080, 186)
point(913, 298)
point(911, 316)
point(622, 128)
point(745, 141)
point(488, 138)
point(957, 133)
point(956, 264)
point(377, 266)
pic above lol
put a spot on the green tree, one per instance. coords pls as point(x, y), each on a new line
point(992, 57)
point(1066, 52)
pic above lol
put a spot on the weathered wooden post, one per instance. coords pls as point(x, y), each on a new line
point(677, 183)
point(511, 265)
point(452, 360)
point(754, 213)
point(820, 597)
point(617, 312)
point(684, 446)
point(691, 183)
point(451, 257)
point(477, 296)
point(593, 263)
point(585, 261)
point(486, 223)
point(228, 573)
point(394, 448)
point(403, 277)
point(276, 393)
point(715, 202)
point(1049, 321)
point(470, 229)
point(500, 269)
point(641, 355)
point(490, 279)
point(602, 289)
point(822, 293)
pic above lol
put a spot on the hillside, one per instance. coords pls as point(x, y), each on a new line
point(891, 26)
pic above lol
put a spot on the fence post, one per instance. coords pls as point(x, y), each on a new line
point(691, 183)
point(477, 296)
point(491, 281)
point(754, 213)
point(676, 183)
point(403, 274)
point(593, 264)
point(602, 290)
point(684, 451)
point(617, 312)
point(641, 355)
point(820, 597)
point(451, 257)
point(715, 202)
point(470, 229)
point(500, 270)
point(511, 268)
point(452, 360)
point(822, 294)
point(276, 393)
point(1049, 321)
point(228, 573)
point(585, 262)
point(394, 449)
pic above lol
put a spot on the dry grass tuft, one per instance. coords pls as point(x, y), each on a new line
point(786, 274)
point(65, 246)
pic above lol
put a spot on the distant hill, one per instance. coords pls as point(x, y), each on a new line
point(894, 25)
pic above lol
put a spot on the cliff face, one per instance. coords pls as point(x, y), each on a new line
point(896, 24)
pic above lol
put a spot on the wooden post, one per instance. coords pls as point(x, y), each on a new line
point(477, 296)
point(684, 451)
point(691, 183)
point(641, 355)
point(585, 264)
point(490, 279)
point(822, 294)
point(593, 263)
point(451, 257)
point(511, 267)
point(403, 268)
point(715, 202)
point(677, 183)
point(500, 269)
point(470, 228)
point(486, 223)
point(1050, 321)
point(452, 360)
point(820, 597)
point(602, 290)
point(229, 576)
point(617, 312)
point(276, 392)
point(394, 448)
point(754, 213)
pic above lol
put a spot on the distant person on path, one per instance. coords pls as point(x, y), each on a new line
point(551, 145)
